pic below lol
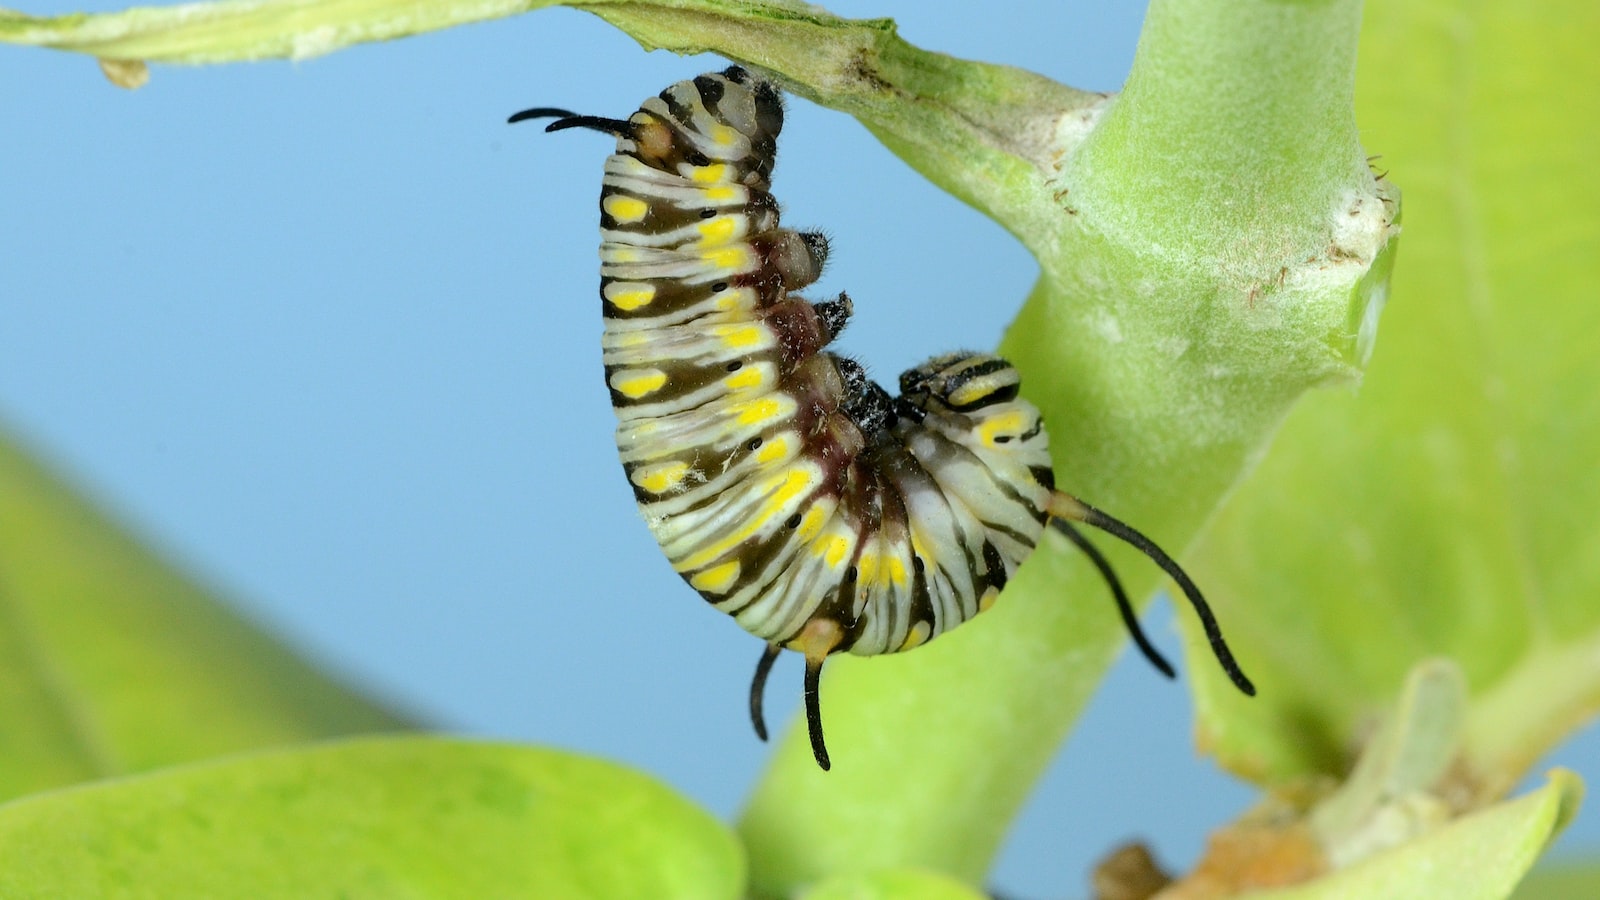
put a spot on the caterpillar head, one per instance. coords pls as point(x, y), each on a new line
point(961, 382)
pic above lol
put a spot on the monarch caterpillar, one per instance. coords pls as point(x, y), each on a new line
point(785, 486)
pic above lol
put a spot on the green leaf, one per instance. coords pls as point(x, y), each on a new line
point(1448, 509)
point(893, 884)
point(111, 663)
point(1564, 880)
point(379, 818)
point(1482, 855)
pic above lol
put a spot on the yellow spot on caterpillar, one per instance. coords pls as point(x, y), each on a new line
point(717, 231)
point(867, 567)
point(784, 488)
point(834, 550)
point(717, 579)
point(758, 411)
point(749, 377)
point(634, 384)
point(721, 193)
point(894, 570)
point(710, 174)
point(919, 634)
point(917, 547)
point(987, 600)
point(621, 255)
point(1007, 423)
point(735, 258)
point(812, 521)
point(624, 208)
point(629, 296)
point(772, 450)
point(659, 479)
point(740, 336)
point(723, 135)
point(978, 388)
point(794, 484)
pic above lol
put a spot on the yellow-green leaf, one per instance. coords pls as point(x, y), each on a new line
point(1481, 856)
point(893, 884)
point(1561, 881)
point(111, 662)
point(373, 818)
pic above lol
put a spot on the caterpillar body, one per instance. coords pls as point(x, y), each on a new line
point(784, 485)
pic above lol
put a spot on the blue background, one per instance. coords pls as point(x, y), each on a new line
point(326, 333)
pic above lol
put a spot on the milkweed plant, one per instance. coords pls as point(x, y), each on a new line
point(1408, 570)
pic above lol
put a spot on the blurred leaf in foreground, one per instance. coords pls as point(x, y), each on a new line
point(1561, 880)
point(384, 817)
point(110, 662)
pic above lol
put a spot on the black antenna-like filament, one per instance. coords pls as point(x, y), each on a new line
point(1124, 606)
point(1065, 506)
point(565, 118)
point(758, 688)
point(814, 711)
point(814, 659)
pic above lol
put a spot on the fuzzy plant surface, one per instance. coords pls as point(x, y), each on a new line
point(1213, 244)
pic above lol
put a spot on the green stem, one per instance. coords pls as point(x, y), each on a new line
point(1196, 282)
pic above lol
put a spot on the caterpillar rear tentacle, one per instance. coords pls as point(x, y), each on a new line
point(1067, 507)
point(1130, 618)
point(758, 688)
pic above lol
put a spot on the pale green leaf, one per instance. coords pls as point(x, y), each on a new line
point(893, 884)
point(110, 662)
point(374, 818)
point(1450, 507)
point(1561, 880)
point(1481, 856)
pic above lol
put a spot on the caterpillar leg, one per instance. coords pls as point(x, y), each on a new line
point(758, 688)
point(1065, 506)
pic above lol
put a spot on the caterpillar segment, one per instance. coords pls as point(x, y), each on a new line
point(784, 485)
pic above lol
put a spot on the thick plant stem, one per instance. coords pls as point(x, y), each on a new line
point(1204, 267)
point(1237, 120)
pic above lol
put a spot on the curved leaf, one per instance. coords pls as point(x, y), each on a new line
point(1449, 508)
point(111, 663)
point(1561, 881)
point(393, 817)
point(1482, 855)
